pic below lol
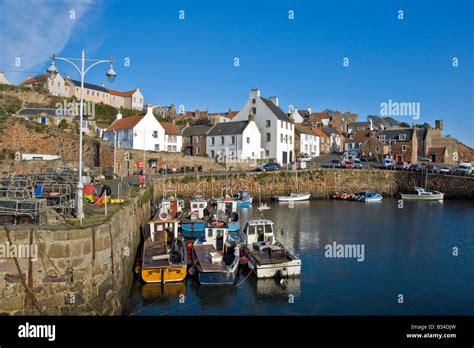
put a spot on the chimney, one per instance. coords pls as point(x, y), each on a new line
point(309, 111)
point(29, 77)
point(274, 100)
point(251, 117)
point(254, 93)
point(119, 116)
point(439, 124)
point(102, 84)
point(149, 109)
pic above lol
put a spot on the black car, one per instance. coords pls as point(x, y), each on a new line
point(268, 167)
point(335, 164)
point(430, 168)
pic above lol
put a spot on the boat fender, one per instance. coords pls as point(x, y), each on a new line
point(192, 271)
point(164, 215)
point(283, 282)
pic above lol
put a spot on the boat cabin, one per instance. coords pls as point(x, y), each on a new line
point(258, 231)
point(243, 195)
point(227, 205)
point(199, 208)
point(173, 206)
point(216, 234)
point(166, 230)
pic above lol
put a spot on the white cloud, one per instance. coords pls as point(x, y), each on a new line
point(33, 30)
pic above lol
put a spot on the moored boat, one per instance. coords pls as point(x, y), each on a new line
point(420, 194)
point(368, 197)
point(164, 257)
point(293, 197)
point(267, 257)
point(215, 256)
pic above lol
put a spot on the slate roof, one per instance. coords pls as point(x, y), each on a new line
point(393, 134)
point(37, 111)
point(359, 136)
point(89, 86)
point(196, 130)
point(228, 128)
point(279, 113)
point(329, 130)
point(358, 124)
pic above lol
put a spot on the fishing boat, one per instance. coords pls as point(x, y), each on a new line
point(171, 204)
point(215, 256)
point(420, 194)
point(267, 257)
point(294, 197)
point(243, 198)
point(164, 257)
point(192, 226)
point(368, 197)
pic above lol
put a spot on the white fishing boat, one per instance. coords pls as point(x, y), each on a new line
point(420, 194)
point(294, 197)
point(267, 257)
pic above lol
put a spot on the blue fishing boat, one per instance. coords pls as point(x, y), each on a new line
point(368, 197)
point(215, 256)
point(243, 198)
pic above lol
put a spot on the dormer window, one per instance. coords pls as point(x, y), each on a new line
point(402, 137)
point(254, 101)
point(382, 137)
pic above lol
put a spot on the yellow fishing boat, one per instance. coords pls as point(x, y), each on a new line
point(164, 252)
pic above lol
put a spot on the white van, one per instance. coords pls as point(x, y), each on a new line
point(388, 163)
point(464, 168)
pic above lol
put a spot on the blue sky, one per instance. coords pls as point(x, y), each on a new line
point(190, 62)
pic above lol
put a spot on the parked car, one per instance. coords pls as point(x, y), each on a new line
point(304, 157)
point(431, 168)
point(357, 163)
point(347, 164)
point(445, 170)
point(402, 165)
point(335, 164)
point(424, 159)
point(417, 167)
point(267, 167)
point(464, 168)
point(388, 163)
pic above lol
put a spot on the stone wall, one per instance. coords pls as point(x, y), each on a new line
point(321, 183)
point(85, 271)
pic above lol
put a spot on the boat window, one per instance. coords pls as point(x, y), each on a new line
point(209, 233)
point(159, 227)
point(195, 206)
point(201, 205)
point(268, 229)
point(251, 230)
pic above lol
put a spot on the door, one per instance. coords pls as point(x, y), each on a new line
point(399, 158)
point(173, 208)
point(220, 241)
point(285, 157)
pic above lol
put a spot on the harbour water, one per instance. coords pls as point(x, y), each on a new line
point(409, 251)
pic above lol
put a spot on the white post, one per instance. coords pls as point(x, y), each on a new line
point(115, 153)
point(144, 132)
point(80, 186)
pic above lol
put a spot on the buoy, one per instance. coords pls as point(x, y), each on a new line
point(283, 282)
point(192, 271)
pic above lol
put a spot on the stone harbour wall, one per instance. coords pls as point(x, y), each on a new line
point(77, 271)
point(321, 183)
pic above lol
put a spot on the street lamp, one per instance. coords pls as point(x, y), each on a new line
point(111, 75)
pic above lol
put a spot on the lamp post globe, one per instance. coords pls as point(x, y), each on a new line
point(52, 70)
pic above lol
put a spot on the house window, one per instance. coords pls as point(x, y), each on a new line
point(254, 111)
point(222, 141)
point(269, 123)
point(212, 142)
point(87, 92)
point(281, 137)
point(404, 148)
point(281, 124)
point(402, 137)
point(382, 137)
point(232, 140)
point(157, 147)
point(248, 140)
point(377, 149)
point(267, 153)
point(291, 139)
point(253, 101)
point(268, 137)
point(286, 123)
point(155, 134)
point(212, 153)
point(92, 93)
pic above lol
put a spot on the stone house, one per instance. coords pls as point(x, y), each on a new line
point(324, 141)
point(129, 100)
point(276, 128)
point(373, 149)
point(402, 142)
point(92, 93)
point(354, 141)
point(194, 139)
point(300, 115)
point(56, 87)
point(336, 139)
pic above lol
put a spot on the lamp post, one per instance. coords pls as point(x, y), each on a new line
point(144, 131)
point(111, 75)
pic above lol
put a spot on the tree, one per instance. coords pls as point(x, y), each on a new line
point(404, 124)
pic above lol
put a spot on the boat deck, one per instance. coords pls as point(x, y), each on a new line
point(263, 256)
point(154, 248)
point(202, 253)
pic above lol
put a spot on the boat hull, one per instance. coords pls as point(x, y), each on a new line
point(414, 197)
point(216, 278)
point(286, 269)
point(164, 275)
point(298, 198)
point(245, 203)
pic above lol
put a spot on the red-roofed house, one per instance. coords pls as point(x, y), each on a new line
point(144, 132)
point(324, 140)
point(57, 87)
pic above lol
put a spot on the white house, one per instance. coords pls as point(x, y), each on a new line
point(300, 116)
point(335, 138)
point(306, 141)
point(129, 100)
point(137, 132)
point(276, 129)
point(56, 87)
point(173, 137)
point(3, 79)
point(235, 140)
